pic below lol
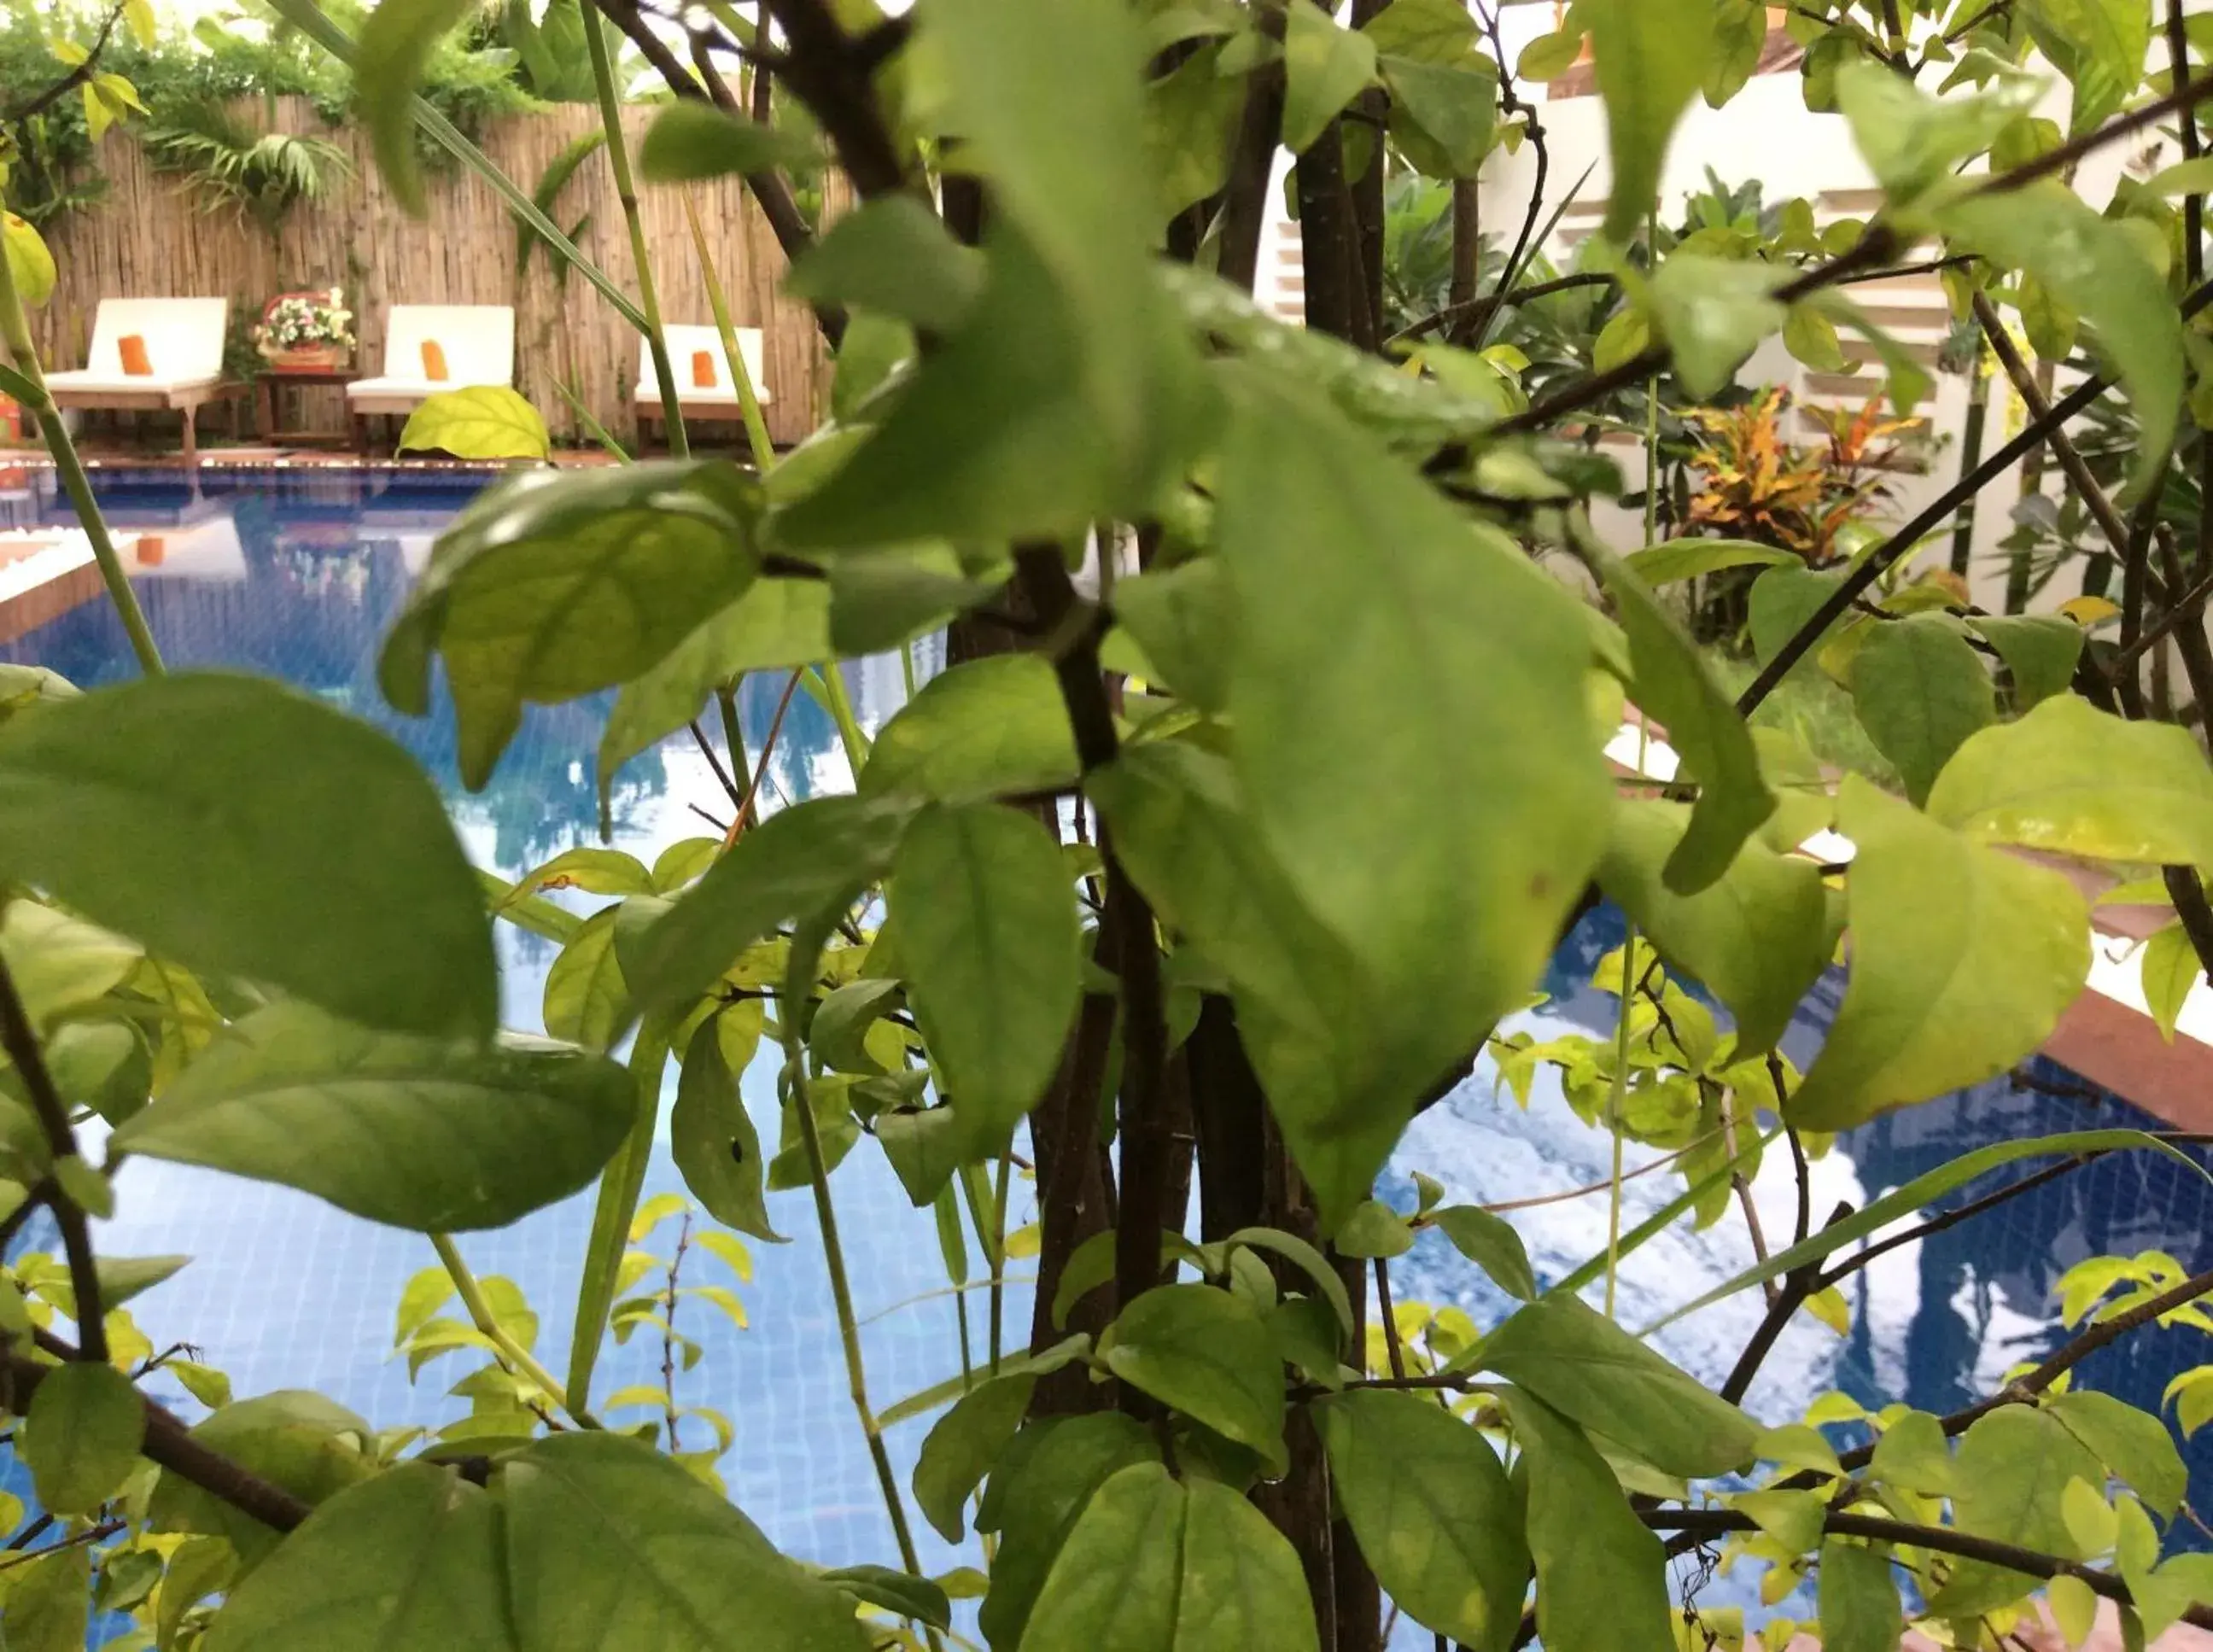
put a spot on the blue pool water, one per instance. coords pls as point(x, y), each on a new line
point(298, 573)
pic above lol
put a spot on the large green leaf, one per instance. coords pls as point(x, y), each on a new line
point(1435, 1519)
point(81, 1437)
point(990, 728)
point(421, 1134)
point(557, 585)
point(1713, 313)
point(1651, 57)
point(1962, 959)
point(1859, 1603)
point(962, 1445)
point(308, 1445)
point(1910, 139)
point(2074, 780)
point(893, 256)
point(478, 421)
point(1583, 1364)
point(30, 264)
point(1920, 692)
point(241, 829)
point(1443, 115)
point(987, 936)
point(1782, 600)
point(1674, 684)
point(586, 1001)
point(1758, 936)
point(2100, 45)
point(2134, 1444)
point(713, 1138)
point(2013, 1466)
point(59, 963)
point(1190, 125)
point(1602, 1577)
point(2039, 651)
point(777, 623)
point(46, 1602)
point(800, 863)
point(613, 1547)
point(1491, 1243)
point(1158, 1565)
point(691, 139)
point(1325, 68)
point(1185, 620)
point(408, 1558)
point(1679, 559)
point(2090, 264)
point(1038, 1489)
point(1210, 1355)
point(388, 62)
point(1412, 739)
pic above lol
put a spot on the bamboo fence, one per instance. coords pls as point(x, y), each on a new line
point(153, 237)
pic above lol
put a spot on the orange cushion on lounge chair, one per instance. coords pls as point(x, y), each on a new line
point(703, 370)
point(433, 361)
point(131, 346)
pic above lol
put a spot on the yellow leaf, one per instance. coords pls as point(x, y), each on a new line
point(1024, 1241)
point(1830, 1307)
point(2089, 610)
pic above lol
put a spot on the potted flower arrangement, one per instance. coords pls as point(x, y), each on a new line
point(306, 332)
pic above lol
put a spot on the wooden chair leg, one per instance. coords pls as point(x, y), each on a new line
point(192, 436)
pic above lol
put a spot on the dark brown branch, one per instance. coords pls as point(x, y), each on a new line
point(20, 1040)
point(830, 70)
point(76, 76)
point(1509, 276)
point(1389, 1321)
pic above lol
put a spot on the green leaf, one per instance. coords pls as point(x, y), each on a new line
point(1758, 937)
point(478, 421)
point(800, 864)
point(893, 256)
point(1550, 56)
point(2167, 970)
point(303, 1441)
point(2184, 178)
point(1780, 602)
point(2134, 1444)
point(554, 586)
point(1430, 1506)
point(1191, 122)
point(613, 1547)
point(1156, 1564)
point(1209, 1355)
point(1455, 106)
point(1713, 313)
point(2078, 781)
point(1425, 31)
point(1621, 340)
point(1601, 1576)
point(2039, 650)
point(1448, 870)
point(926, 1147)
point(1491, 1244)
point(1651, 57)
point(1910, 139)
point(1674, 684)
point(201, 1566)
point(1920, 692)
point(410, 1558)
point(713, 1138)
point(1962, 959)
point(586, 1002)
point(30, 266)
point(691, 141)
point(2099, 44)
point(82, 1435)
point(1185, 620)
point(2091, 265)
point(2014, 1468)
point(47, 1601)
point(1583, 1364)
point(994, 726)
point(1811, 337)
point(776, 623)
point(390, 58)
point(1325, 68)
point(239, 828)
point(909, 1596)
point(421, 1134)
point(1911, 1453)
point(988, 937)
point(1793, 1519)
point(1038, 1491)
point(1679, 559)
point(1859, 1603)
point(963, 1444)
point(59, 963)
point(1373, 1229)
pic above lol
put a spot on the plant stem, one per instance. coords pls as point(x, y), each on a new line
point(797, 987)
point(1613, 1117)
point(16, 328)
point(828, 688)
point(481, 1316)
point(648, 303)
point(21, 1042)
point(749, 405)
point(620, 1184)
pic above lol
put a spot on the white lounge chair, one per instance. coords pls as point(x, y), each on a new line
point(703, 374)
point(182, 343)
point(477, 342)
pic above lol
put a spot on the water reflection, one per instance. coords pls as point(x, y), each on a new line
point(298, 573)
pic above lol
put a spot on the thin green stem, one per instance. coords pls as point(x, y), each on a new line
point(733, 737)
point(805, 947)
point(481, 1316)
point(749, 405)
point(1652, 425)
point(999, 1255)
point(1614, 1115)
point(621, 1183)
point(648, 303)
point(906, 665)
point(15, 327)
point(828, 688)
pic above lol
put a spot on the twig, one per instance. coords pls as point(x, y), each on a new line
point(669, 1328)
point(1588, 1188)
point(76, 77)
point(1397, 1354)
point(21, 1042)
point(1509, 276)
point(100, 1534)
point(715, 763)
point(760, 767)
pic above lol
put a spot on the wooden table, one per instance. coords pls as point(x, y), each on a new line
point(267, 387)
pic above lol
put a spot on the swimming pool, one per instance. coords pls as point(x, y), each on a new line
point(298, 572)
